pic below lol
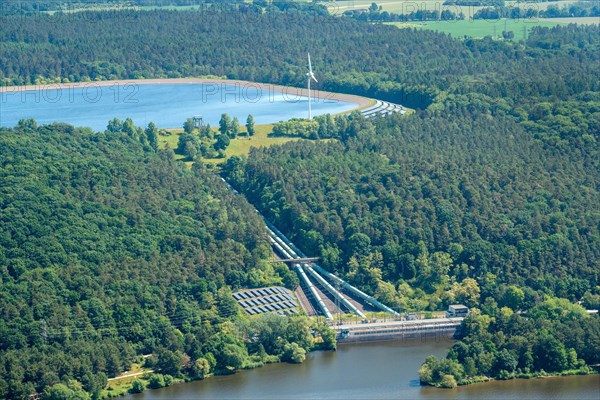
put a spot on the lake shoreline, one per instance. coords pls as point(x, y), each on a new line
point(361, 102)
point(485, 379)
point(356, 368)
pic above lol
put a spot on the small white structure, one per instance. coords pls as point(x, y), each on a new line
point(457, 310)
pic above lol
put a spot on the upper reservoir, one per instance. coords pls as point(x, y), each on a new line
point(379, 370)
point(167, 104)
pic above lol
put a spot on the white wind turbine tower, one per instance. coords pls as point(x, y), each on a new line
point(311, 76)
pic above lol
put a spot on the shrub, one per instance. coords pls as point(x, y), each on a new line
point(156, 381)
point(293, 353)
point(448, 382)
point(137, 386)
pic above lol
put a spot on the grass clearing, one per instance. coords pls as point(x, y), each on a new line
point(242, 144)
point(238, 147)
point(479, 28)
point(120, 385)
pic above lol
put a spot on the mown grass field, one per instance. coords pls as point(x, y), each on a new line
point(238, 146)
point(242, 144)
point(479, 28)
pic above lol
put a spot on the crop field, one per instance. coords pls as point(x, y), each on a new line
point(406, 6)
point(479, 28)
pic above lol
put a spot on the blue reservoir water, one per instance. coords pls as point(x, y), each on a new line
point(167, 105)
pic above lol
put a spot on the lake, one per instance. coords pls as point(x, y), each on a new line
point(168, 105)
point(380, 370)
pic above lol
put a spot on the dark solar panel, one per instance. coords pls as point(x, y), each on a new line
point(277, 300)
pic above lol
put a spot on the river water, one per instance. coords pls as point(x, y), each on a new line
point(381, 370)
point(167, 105)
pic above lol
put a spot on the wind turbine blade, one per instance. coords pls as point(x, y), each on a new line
point(309, 64)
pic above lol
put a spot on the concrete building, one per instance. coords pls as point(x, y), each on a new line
point(457, 310)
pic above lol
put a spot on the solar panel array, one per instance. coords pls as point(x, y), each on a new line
point(274, 299)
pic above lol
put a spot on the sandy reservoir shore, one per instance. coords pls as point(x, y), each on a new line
point(361, 102)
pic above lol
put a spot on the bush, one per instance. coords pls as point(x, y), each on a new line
point(137, 386)
point(296, 127)
point(156, 381)
point(448, 382)
point(293, 353)
point(200, 368)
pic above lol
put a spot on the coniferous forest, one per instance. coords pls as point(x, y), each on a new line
point(487, 195)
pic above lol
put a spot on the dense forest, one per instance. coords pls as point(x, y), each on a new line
point(375, 14)
point(110, 249)
point(406, 66)
point(431, 200)
point(554, 337)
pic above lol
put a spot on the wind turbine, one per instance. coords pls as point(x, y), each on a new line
point(310, 76)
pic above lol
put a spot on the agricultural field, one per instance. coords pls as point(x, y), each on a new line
point(575, 20)
point(399, 7)
point(406, 7)
point(479, 28)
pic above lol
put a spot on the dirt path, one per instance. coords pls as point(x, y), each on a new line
point(131, 375)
